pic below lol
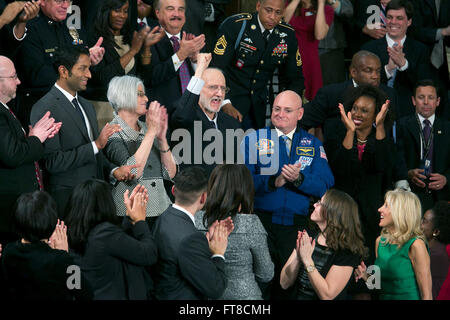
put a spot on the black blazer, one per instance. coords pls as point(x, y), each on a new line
point(185, 269)
point(114, 259)
point(418, 68)
point(409, 149)
point(186, 111)
point(165, 85)
point(69, 156)
point(323, 109)
point(17, 171)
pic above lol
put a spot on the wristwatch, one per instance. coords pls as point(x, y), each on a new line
point(299, 180)
point(310, 268)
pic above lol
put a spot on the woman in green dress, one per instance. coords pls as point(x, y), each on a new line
point(401, 251)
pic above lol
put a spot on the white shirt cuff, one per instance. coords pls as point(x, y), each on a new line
point(388, 74)
point(94, 146)
point(195, 85)
point(218, 255)
point(404, 67)
point(226, 101)
point(113, 179)
point(23, 37)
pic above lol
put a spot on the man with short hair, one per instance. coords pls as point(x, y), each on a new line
point(248, 49)
point(45, 35)
point(424, 141)
point(19, 150)
point(174, 57)
point(199, 110)
point(190, 266)
point(289, 166)
point(404, 60)
point(74, 156)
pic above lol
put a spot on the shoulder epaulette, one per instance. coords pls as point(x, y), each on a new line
point(286, 25)
point(242, 16)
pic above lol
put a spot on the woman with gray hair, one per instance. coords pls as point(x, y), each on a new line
point(141, 144)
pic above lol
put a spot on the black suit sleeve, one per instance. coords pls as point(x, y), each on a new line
point(185, 110)
point(162, 68)
point(316, 110)
point(206, 274)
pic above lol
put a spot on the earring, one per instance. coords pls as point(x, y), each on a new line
point(435, 234)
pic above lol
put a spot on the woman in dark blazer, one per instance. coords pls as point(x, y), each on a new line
point(39, 267)
point(362, 156)
point(111, 257)
point(248, 261)
point(126, 52)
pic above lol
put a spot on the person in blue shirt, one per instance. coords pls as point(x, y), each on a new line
point(289, 166)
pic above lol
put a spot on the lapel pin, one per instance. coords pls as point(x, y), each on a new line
point(253, 27)
point(439, 132)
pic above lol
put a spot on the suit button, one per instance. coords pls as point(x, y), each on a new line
point(262, 61)
point(251, 92)
point(254, 81)
point(257, 71)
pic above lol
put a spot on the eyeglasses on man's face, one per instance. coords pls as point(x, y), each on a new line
point(14, 77)
point(69, 2)
point(215, 88)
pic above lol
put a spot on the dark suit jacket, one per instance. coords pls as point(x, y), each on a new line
point(324, 107)
point(185, 269)
point(113, 261)
point(69, 156)
point(187, 111)
point(165, 86)
point(409, 148)
point(17, 172)
point(418, 68)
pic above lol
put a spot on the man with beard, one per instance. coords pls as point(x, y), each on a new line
point(197, 111)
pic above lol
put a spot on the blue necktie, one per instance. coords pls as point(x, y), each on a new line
point(285, 141)
point(391, 81)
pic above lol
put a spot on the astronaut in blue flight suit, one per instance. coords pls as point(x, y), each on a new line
point(289, 166)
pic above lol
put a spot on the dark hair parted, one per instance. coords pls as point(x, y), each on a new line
point(189, 184)
point(102, 26)
point(427, 83)
point(90, 204)
point(230, 186)
point(401, 4)
point(441, 220)
point(35, 216)
point(343, 230)
point(375, 93)
point(68, 56)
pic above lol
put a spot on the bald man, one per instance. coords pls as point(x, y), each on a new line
point(20, 150)
point(300, 171)
point(198, 110)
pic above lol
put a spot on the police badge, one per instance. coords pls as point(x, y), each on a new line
point(75, 36)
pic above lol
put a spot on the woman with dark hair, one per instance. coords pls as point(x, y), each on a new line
point(230, 194)
point(362, 156)
point(323, 266)
point(311, 22)
point(36, 267)
point(436, 228)
point(126, 52)
point(112, 258)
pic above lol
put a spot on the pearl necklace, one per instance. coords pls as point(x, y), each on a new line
point(361, 141)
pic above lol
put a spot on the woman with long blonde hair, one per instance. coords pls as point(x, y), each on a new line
point(401, 251)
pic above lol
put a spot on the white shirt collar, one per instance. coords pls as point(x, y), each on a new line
point(142, 20)
point(391, 42)
point(431, 119)
point(290, 135)
point(66, 94)
point(262, 27)
point(185, 211)
point(178, 35)
point(213, 120)
point(4, 104)
point(355, 85)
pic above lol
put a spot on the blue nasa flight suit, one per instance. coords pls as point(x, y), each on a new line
point(262, 148)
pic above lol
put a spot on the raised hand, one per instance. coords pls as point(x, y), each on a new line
point(360, 272)
point(138, 40)
point(11, 11)
point(97, 52)
point(347, 119)
point(154, 36)
point(123, 173)
point(153, 117)
point(219, 240)
point(376, 30)
point(30, 11)
point(307, 245)
point(45, 128)
point(290, 172)
point(379, 120)
point(107, 131)
point(136, 204)
point(163, 124)
point(397, 55)
point(190, 47)
point(58, 239)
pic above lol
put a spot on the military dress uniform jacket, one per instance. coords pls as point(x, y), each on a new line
point(248, 63)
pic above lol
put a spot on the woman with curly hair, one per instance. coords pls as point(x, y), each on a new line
point(324, 265)
point(401, 251)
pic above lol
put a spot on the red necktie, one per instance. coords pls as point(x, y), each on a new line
point(36, 164)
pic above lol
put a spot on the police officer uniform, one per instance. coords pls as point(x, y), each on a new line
point(248, 61)
point(35, 60)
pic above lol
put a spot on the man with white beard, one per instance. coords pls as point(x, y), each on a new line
point(197, 111)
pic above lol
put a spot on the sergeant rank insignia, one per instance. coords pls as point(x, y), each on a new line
point(221, 45)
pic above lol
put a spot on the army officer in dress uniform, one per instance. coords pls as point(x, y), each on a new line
point(248, 49)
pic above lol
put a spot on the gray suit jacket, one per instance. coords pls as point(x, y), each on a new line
point(335, 38)
point(69, 157)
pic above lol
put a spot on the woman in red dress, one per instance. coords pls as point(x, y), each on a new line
point(311, 21)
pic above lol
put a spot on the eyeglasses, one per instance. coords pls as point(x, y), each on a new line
point(141, 94)
point(15, 77)
point(277, 109)
point(69, 2)
point(215, 88)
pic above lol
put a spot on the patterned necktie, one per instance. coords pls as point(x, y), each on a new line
point(37, 170)
point(427, 135)
point(287, 144)
point(184, 70)
point(383, 14)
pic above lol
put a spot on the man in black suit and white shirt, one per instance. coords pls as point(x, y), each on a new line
point(19, 151)
point(174, 57)
point(190, 266)
point(75, 154)
point(198, 110)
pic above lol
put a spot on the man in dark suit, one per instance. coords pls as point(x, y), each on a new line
point(364, 69)
point(172, 57)
point(19, 151)
point(424, 141)
point(249, 48)
point(404, 60)
point(199, 111)
point(190, 266)
point(75, 154)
